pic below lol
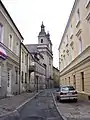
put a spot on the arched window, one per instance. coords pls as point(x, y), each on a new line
point(41, 40)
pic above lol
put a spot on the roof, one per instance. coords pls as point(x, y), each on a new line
point(10, 18)
point(55, 68)
point(32, 48)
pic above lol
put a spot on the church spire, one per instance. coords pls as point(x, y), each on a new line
point(42, 26)
point(42, 32)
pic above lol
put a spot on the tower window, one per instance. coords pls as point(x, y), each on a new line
point(41, 40)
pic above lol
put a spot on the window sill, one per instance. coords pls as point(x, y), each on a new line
point(87, 5)
point(78, 23)
point(88, 17)
point(67, 45)
point(71, 36)
point(71, 44)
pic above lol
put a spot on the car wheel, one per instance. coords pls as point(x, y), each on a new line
point(57, 98)
point(60, 100)
point(75, 100)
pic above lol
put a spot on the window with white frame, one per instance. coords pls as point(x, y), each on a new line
point(88, 3)
point(66, 40)
point(49, 61)
point(77, 17)
point(22, 56)
point(80, 45)
point(1, 32)
point(10, 42)
point(71, 32)
point(0, 74)
point(25, 59)
point(17, 48)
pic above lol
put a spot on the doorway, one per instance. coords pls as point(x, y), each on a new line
point(9, 83)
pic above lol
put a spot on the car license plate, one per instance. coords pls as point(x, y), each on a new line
point(70, 93)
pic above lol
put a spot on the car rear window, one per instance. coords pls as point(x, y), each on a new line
point(67, 88)
point(64, 88)
point(71, 88)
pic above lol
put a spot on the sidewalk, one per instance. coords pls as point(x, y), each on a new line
point(11, 103)
point(75, 111)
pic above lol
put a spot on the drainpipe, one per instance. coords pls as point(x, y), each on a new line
point(27, 73)
point(19, 66)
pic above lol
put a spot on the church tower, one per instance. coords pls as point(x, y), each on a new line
point(45, 48)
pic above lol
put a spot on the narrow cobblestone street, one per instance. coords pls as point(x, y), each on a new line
point(40, 108)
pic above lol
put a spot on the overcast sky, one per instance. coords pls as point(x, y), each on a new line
point(29, 14)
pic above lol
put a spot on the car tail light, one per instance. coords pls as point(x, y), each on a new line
point(61, 93)
point(74, 92)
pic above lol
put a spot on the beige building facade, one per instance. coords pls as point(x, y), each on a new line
point(74, 49)
point(10, 39)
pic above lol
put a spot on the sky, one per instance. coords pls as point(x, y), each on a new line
point(29, 14)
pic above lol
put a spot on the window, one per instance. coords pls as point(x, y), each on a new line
point(10, 42)
point(77, 17)
point(25, 59)
point(80, 45)
point(71, 32)
point(22, 56)
point(29, 60)
point(16, 77)
point(41, 40)
point(49, 61)
point(74, 81)
point(69, 80)
point(25, 77)
point(1, 32)
point(0, 75)
point(66, 40)
point(88, 3)
point(17, 48)
point(65, 81)
point(82, 77)
point(22, 76)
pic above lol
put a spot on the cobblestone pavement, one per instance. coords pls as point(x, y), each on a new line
point(75, 111)
point(42, 107)
point(11, 103)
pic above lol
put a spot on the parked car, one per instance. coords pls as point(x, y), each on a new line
point(66, 92)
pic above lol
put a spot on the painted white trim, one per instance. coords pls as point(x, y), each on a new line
point(10, 24)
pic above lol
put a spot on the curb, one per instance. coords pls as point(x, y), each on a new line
point(64, 118)
point(20, 106)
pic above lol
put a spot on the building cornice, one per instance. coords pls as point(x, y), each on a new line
point(70, 17)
